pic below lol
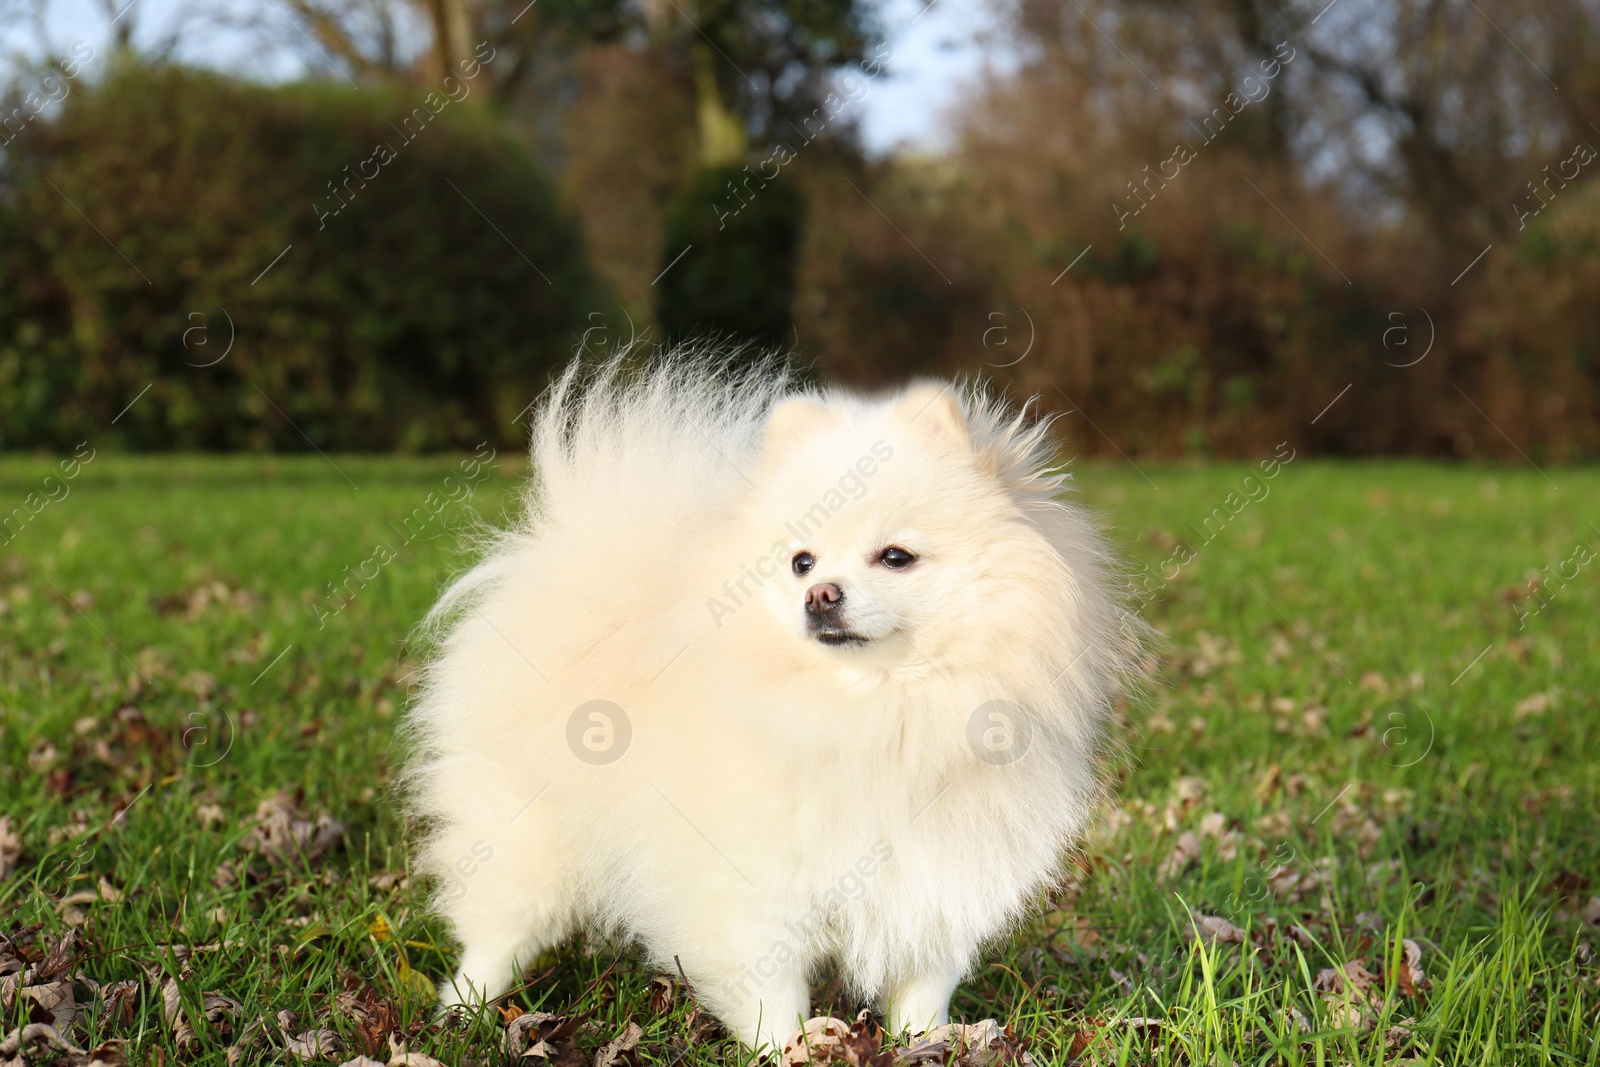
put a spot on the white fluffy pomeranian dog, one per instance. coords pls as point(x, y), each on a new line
point(766, 678)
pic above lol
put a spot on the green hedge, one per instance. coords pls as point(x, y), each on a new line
point(737, 278)
point(409, 319)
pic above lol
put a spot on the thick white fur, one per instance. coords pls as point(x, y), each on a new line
point(780, 802)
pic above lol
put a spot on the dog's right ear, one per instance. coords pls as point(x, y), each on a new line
point(793, 420)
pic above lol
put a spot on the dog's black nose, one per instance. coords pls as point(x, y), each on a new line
point(823, 598)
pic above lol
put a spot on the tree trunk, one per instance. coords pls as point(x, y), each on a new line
point(722, 135)
point(452, 35)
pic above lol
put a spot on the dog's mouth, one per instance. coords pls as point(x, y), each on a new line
point(837, 637)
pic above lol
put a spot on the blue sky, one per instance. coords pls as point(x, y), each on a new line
point(939, 51)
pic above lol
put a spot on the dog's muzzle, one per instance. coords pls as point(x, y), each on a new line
point(825, 616)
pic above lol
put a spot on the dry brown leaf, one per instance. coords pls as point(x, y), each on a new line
point(319, 1044)
point(1189, 790)
point(622, 1050)
point(1537, 704)
point(10, 848)
point(1347, 1016)
point(1348, 991)
point(1212, 929)
point(1071, 933)
point(108, 1054)
point(121, 1000)
point(52, 1003)
point(663, 991)
point(246, 1040)
point(814, 1039)
point(219, 1011)
point(39, 977)
point(539, 1035)
point(372, 1013)
point(399, 1057)
point(1398, 1034)
point(1409, 977)
point(1352, 979)
point(1184, 852)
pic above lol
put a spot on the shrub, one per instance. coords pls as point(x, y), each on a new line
point(391, 270)
point(737, 278)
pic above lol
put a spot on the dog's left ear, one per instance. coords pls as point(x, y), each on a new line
point(935, 408)
point(793, 419)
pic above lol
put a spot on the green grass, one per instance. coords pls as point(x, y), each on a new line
point(1343, 722)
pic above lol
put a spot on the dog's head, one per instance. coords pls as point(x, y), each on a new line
point(900, 532)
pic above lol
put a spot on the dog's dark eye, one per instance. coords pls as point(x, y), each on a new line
point(896, 558)
point(803, 562)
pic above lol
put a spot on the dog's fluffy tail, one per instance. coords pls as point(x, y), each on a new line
point(629, 451)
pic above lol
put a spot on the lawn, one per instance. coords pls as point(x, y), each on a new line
point(1354, 822)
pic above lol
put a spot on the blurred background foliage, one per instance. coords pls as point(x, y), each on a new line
point(1198, 273)
point(395, 319)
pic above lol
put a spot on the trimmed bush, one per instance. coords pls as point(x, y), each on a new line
point(382, 270)
point(737, 279)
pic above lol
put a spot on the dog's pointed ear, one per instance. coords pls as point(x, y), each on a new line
point(934, 408)
point(792, 420)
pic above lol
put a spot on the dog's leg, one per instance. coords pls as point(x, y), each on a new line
point(497, 943)
point(505, 908)
point(762, 1001)
point(923, 1001)
point(764, 1020)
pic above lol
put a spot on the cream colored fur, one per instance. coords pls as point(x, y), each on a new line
point(767, 802)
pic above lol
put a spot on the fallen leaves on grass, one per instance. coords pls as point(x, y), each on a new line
point(282, 835)
point(1355, 995)
point(539, 1035)
point(38, 980)
point(980, 1044)
point(198, 600)
point(129, 733)
point(220, 1013)
point(40, 977)
point(39, 1045)
point(827, 1041)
